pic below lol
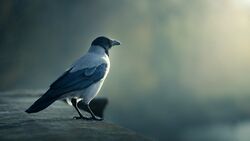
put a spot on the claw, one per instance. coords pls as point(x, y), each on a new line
point(97, 118)
point(80, 117)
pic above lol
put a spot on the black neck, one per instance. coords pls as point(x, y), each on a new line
point(106, 51)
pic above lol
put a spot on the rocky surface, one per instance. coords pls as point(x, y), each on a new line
point(54, 123)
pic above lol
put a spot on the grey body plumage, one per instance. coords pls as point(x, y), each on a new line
point(82, 81)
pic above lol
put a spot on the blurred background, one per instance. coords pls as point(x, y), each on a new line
point(181, 74)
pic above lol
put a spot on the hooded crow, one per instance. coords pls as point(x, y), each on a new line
point(82, 81)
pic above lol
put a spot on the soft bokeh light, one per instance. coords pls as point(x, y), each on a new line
point(182, 72)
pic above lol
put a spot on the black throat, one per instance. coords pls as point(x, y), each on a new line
point(106, 51)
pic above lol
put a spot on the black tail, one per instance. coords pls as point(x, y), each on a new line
point(42, 103)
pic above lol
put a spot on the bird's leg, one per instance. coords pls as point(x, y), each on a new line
point(94, 117)
point(74, 103)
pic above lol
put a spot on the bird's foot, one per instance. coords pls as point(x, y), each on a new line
point(82, 117)
point(97, 118)
point(85, 118)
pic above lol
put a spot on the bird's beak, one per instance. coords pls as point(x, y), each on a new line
point(115, 43)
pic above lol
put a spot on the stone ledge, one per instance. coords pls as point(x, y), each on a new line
point(54, 123)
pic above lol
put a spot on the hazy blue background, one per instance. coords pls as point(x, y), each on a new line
point(181, 74)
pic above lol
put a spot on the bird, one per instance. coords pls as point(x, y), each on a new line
point(81, 81)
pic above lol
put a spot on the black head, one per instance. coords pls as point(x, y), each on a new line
point(105, 43)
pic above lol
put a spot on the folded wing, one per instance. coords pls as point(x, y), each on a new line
point(69, 82)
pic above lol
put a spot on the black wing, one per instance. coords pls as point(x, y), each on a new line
point(81, 79)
